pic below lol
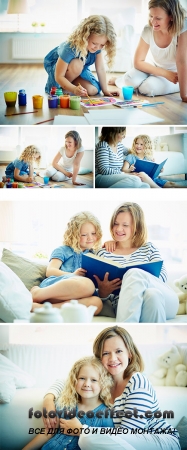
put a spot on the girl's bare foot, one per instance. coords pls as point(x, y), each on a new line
point(35, 292)
point(172, 184)
point(35, 305)
point(112, 81)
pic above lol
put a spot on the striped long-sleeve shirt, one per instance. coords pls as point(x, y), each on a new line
point(106, 161)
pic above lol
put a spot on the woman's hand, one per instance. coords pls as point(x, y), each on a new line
point(69, 174)
point(49, 405)
point(110, 246)
point(78, 184)
point(79, 90)
point(171, 76)
point(70, 424)
point(106, 287)
point(80, 272)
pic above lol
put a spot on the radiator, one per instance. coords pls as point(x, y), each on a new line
point(32, 48)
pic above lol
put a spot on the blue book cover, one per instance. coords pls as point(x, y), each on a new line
point(149, 167)
point(98, 265)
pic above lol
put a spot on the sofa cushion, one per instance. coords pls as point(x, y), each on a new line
point(7, 389)
point(12, 377)
point(15, 299)
point(30, 273)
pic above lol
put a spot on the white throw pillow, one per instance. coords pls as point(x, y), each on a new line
point(7, 389)
point(10, 370)
point(15, 299)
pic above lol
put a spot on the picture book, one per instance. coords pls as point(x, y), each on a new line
point(149, 167)
point(32, 185)
point(98, 265)
point(132, 103)
point(101, 101)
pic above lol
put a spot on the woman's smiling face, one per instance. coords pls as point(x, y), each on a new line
point(115, 356)
point(159, 19)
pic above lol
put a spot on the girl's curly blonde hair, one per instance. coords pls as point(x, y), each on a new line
point(29, 153)
point(72, 233)
point(69, 396)
point(99, 25)
point(148, 146)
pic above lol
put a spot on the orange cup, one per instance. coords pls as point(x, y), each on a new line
point(64, 101)
point(14, 184)
point(37, 101)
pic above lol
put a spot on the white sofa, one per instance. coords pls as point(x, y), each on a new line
point(14, 420)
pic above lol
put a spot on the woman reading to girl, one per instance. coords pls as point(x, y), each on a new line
point(119, 355)
point(65, 277)
point(66, 163)
point(142, 148)
point(68, 65)
point(143, 297)
point(166, 38)
point(87, 389)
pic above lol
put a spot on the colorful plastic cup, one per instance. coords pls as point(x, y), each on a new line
point(75, 102)
point(53, 101)
point(64, 101)
point(20, 185)
point(37, 101)
point(14, 185)
point(46, 180)
point(10, 98)
point(9, 185)
point(127, 92)
point(1, 184)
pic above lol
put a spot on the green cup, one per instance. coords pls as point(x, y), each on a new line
point(75, 102)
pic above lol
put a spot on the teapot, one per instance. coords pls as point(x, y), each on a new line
point(75, 312)
point(46, 314)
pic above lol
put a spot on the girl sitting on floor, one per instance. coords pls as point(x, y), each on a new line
point(21, 169)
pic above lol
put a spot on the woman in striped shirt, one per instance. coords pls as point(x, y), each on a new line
point(109, 160)
point(143, 297)
point(136, 414)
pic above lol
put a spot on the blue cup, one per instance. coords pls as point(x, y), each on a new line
point(127, 92)
point(46, 180)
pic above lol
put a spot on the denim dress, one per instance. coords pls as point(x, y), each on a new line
point(70, 262)
point(66, 442)
point(132, 160)
point(17, 164)
point(67, 53)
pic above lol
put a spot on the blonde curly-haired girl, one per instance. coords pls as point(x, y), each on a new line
point(142, 148)
point(85, 398)
point(68, 64)
point(65, 278)
point(21, 169)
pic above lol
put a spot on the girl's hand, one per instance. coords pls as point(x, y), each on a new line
point(106, 287)
point(79, 90)
point(171, 76)
point(49, 405)
point(111, 94)
point(132, 168)
point(80, 272)
point(110, 246)
point(70, 424)
point(29, 179)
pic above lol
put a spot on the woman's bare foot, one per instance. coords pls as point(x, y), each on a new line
point(172, 184)
point(112, 81)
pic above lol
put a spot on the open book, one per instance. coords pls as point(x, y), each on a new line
point(98, 265)
point(149, 167)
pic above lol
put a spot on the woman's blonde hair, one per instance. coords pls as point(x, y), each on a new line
point(72, 233)
point(108, 134)
point(139, 228)
point(69, 396)
point(148, 146)
point(29, 153)
point(76, 137)
point(99, 25)
point(172, 8)
point(135, 359)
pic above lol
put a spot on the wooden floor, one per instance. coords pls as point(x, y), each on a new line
point(87, 181)
point(32, 78)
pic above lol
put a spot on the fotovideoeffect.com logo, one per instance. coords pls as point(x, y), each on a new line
point(71, 413)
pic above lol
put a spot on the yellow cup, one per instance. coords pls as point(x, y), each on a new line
point(10, 98)
point(37, 101)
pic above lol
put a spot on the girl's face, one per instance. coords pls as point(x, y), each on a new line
point(36, 156)
point(123, 227)
point(120, 136)
point(88, 236)
point(159, 19)
point(96, 42)
point(88, 385)
point(70, 143)
point(115, 356)
point(139, 147)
